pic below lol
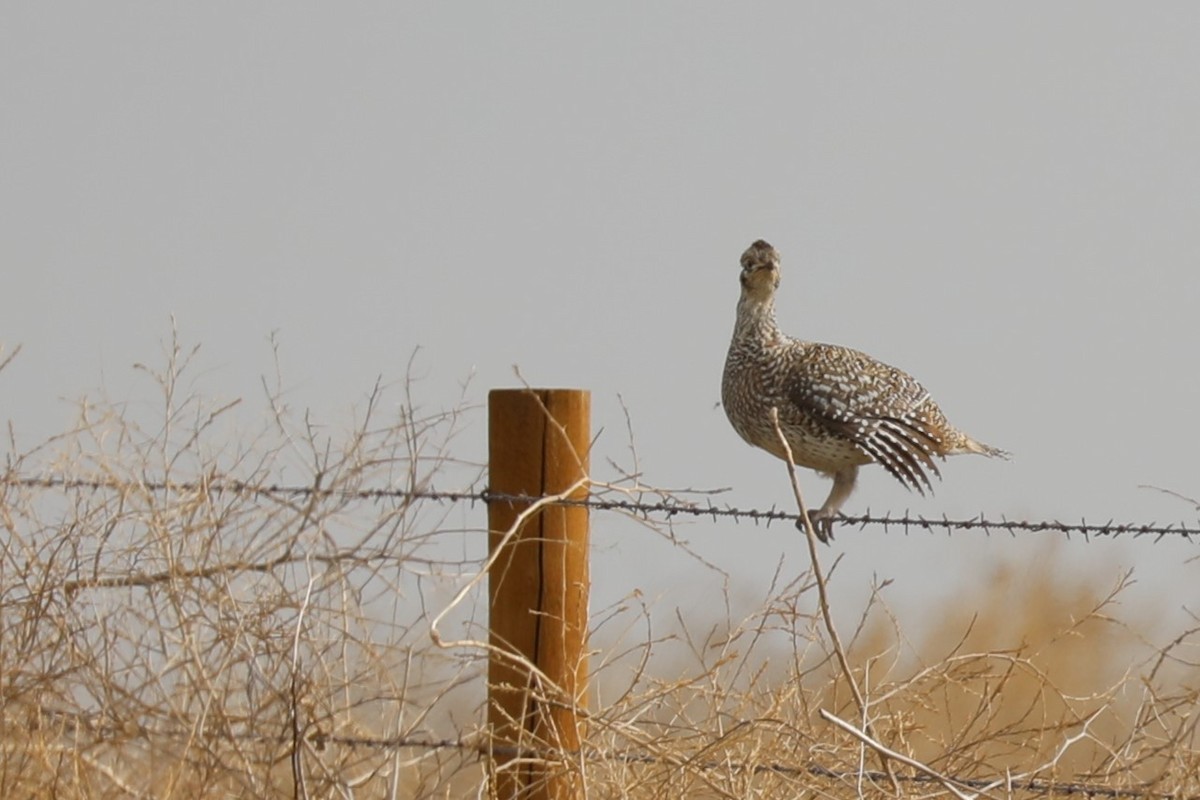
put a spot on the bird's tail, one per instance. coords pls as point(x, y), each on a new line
point(969, 445)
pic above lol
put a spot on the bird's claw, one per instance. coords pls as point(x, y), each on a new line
point(822, 527)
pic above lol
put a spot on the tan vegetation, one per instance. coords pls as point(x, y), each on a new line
point(193, 608)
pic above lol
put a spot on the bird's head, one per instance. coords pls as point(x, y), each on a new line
point(760, 270)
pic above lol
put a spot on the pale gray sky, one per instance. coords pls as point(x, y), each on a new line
point(1002, 199)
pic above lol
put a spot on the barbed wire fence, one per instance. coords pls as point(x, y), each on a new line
point(232, 634)
point(665, 509)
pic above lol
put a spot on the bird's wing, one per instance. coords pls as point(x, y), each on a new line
point(874, 405)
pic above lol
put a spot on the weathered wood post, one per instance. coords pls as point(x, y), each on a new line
point(537, 590)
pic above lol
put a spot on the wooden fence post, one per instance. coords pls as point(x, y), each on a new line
point(537, 590)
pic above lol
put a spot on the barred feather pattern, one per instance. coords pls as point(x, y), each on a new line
point(879, 410)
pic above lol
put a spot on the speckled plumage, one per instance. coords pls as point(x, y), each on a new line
point(838, 408)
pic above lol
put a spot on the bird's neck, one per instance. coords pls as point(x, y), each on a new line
point(756, 318)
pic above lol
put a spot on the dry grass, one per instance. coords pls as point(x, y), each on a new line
point(170, 626)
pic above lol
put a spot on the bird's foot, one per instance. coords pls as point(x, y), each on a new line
point(822, 526)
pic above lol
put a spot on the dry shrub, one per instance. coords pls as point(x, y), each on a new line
point(190, 607)
point(1030, 687)
point(177, 623)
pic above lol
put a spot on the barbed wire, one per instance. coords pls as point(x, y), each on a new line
point(1039, 785)
point(905, 523)
point(481, 746)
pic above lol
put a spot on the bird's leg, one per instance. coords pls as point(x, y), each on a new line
point(839, 493)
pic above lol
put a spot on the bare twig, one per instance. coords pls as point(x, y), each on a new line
point(889, 753)
point(822, 588)
point(818, 574)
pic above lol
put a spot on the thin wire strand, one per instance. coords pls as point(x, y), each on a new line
point(905, 523)
point(486, 749)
